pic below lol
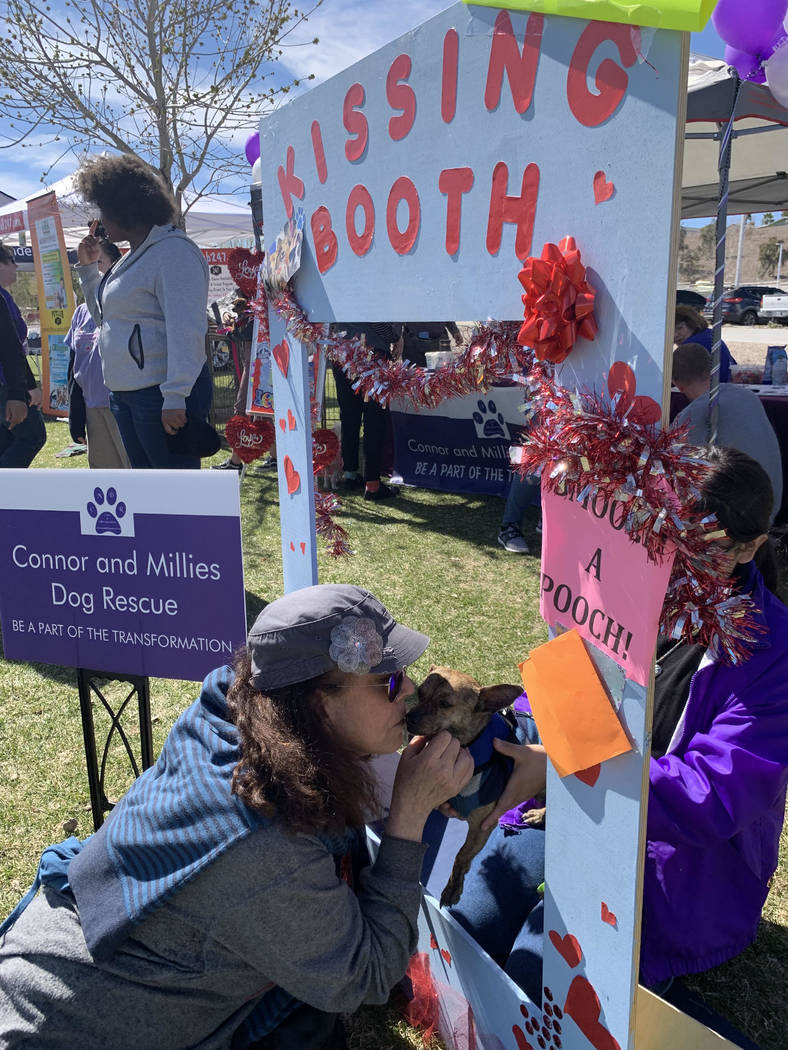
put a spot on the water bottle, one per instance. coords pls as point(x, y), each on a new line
point(779, 366)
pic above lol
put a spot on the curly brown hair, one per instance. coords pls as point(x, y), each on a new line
point(127, 190)
point(292, 766)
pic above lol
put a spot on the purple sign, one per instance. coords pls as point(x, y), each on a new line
point(128, 572)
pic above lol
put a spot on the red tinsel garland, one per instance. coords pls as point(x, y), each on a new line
point(558, 301)
point(581, 444)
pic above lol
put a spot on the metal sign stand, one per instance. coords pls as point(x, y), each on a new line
point(89, 683)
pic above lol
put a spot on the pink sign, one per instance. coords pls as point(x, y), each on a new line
point(596, 580)
point(12, 223)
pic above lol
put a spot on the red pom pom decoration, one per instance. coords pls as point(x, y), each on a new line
point(325, 448)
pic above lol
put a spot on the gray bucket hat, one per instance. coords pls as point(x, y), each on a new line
point(322, 628)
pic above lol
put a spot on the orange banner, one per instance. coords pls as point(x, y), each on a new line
point(55, 300)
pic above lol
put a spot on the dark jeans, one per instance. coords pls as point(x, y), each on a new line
point(305, 1029)
point(501, 909)
point(21, 445)
point(353, 410)
point(138, 415)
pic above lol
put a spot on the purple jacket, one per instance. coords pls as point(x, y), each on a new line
point(716, 808)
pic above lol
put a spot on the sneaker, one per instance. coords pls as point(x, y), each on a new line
point(351, 484)
point(228, 464)
point(512, 540)
point(269, 463)
point(384, 492)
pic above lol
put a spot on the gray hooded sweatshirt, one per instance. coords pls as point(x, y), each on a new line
point(151, 310)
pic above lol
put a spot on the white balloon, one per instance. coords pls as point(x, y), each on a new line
point(257, 172)
point(776, 69)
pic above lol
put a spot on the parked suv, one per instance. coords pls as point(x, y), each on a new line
point(740, 305)
point(684, 297)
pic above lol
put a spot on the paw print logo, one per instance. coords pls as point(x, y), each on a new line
point(489, 422)
point(106, 520)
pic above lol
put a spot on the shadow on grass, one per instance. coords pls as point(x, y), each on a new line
point(749, 991)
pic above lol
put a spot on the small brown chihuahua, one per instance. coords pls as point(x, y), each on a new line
point(451, 700)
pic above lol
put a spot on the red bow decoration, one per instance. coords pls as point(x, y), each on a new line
point(249, 438)
point(325, 448)
point(558, 300)
point(244, 266)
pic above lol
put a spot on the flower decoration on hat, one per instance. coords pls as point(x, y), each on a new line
point(356, 645)
point(558, 301)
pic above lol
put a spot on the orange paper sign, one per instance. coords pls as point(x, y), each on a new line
point(577, 723)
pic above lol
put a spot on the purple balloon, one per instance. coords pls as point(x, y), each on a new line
point(252, 147)
point(750, 26)
point(747, 66)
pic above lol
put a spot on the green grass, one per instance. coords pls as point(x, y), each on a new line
point(433, 559)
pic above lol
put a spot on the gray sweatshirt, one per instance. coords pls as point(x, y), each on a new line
point(151, 311)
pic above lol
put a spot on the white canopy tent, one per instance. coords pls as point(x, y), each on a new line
point(210, 221)
point(758, 173)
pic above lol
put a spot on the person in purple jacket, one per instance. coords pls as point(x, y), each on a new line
point(718, 775)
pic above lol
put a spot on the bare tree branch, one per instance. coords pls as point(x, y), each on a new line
point(170, 81)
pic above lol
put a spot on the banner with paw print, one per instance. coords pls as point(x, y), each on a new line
point(122, 571)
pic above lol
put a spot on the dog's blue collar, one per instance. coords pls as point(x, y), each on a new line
point(481, 749)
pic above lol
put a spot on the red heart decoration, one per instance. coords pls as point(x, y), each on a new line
point(281, 354)
point(282, 424)
point(291, 420)
point(608, 916)
point(603, 190)
point(325, 448)
point(621, 380)
point(292, 546)
point(446, 955)
point(583, 1006)
point(292, 476)
point(589, 776)
point(244, 266)
point(519, 1038)
point(568, 948)
point(433, 942)
point(249, 438)
point(303, 547)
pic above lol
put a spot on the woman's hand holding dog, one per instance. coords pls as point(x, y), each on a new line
point(527, 778)
point(429, 772)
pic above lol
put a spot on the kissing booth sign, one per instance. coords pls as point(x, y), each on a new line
point(428, 173)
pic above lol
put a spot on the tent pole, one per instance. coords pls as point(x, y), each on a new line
point(719, 266)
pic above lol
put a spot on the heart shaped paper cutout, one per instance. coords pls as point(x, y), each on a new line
point(603, 190)
point(433, 942)
point(519, 1038)
point(283, 425)
point(281, 354)
point(249, 438)
point(292, 546)
point(583, 1006)
point(446, 955)
point(244, 266)
point(621, 380)
point(568, 947)
point(292, 477)
point(589, 776)
point(291, 420)
point(608, 916)
point(325, 448)
point(303, 547)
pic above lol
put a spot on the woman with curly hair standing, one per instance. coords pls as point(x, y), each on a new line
point(150, 308)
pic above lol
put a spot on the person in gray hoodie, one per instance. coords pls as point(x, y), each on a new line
point(150, 307)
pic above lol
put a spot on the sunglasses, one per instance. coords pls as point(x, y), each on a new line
point(394, 684)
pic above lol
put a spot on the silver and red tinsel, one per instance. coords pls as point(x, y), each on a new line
point(583, 444)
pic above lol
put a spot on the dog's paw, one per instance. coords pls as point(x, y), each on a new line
point(535, 818)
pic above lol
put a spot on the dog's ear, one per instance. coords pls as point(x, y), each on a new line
point(496, 697)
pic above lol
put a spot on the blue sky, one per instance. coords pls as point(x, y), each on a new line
point(348, 30)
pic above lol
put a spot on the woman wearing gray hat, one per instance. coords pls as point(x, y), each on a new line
point(228, 901)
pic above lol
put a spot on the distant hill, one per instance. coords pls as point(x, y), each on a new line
point(696, 256)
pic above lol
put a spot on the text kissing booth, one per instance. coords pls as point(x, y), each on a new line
point(484, 146)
